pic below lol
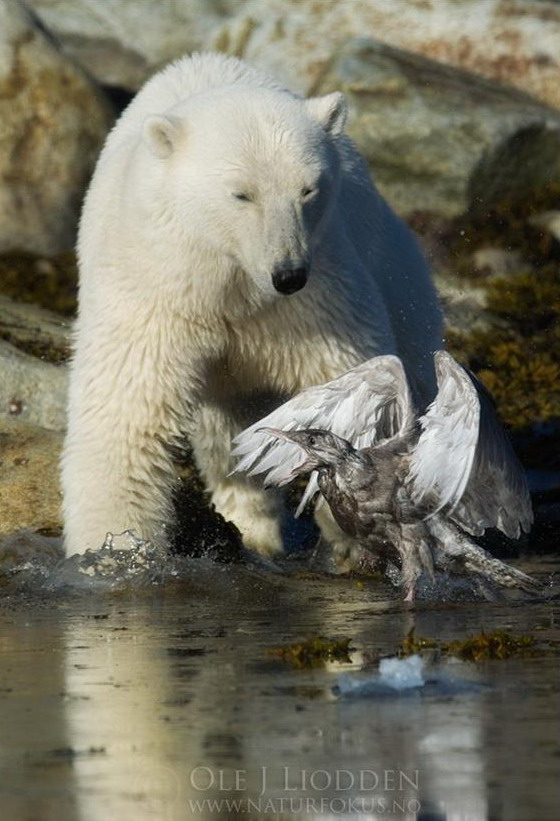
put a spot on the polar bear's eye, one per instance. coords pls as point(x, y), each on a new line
point(307, 193)
point(243, 197)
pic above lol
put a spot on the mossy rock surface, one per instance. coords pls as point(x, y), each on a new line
point(495, 645)
point(30, 497)
point(314, 652)
point(517, 353)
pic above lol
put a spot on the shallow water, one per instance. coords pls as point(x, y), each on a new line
point(153, 697)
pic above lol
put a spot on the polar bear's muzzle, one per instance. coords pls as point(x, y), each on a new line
point(289, 280)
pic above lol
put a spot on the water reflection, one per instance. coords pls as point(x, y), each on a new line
point(163, 705)
point(36, 774)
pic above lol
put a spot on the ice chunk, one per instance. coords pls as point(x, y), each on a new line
point(402, 674)
point(395, 676)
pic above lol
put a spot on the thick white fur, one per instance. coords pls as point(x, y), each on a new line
point(180, 330)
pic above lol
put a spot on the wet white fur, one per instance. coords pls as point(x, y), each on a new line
point(178, 318)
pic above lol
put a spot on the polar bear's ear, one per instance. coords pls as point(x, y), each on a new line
point(162, 134)
point(330, 111)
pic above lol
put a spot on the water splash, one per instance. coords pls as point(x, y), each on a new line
point(35, 564)
point(122, 558)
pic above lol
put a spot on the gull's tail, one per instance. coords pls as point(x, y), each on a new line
point(456, 553)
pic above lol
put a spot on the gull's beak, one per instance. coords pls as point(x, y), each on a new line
point(302, 467)
point(279, 434)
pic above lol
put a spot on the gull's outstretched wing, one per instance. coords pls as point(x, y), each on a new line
point(497, 494)
point(463, 462)
point(369, 403)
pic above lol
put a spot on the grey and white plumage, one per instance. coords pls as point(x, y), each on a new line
point(397, 481)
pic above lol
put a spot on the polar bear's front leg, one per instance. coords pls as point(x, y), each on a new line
point(124, 410)
point(254, 511)
point(117, 475)
point(346, 552)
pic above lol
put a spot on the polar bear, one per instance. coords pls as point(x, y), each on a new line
point(232, 251)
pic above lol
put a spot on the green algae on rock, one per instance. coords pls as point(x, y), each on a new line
point(497, 644)
point(517, 354)
point(314, 652)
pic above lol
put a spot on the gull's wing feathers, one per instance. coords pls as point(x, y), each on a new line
point(366, 404)
point(442, 461)
point(463, 461)
point(497, 494)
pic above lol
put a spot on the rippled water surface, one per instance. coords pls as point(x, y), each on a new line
point(148, 693)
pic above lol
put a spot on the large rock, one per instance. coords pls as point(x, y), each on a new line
point(122, 42)
point(438, 139)
point(41, 333)
point(31, 390)
point(29, 478)
point(33, 382)
point(52, 123)
point(33, 387)
point(512, 41)
point(515, 42)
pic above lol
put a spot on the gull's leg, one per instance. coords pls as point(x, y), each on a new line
point(409, 598)
point(411, 572)
point(413, 545)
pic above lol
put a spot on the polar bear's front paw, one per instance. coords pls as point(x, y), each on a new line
point(261, 535)
point(255, 513)
point(346, 554)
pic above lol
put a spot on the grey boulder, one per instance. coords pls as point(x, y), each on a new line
point(53, 121)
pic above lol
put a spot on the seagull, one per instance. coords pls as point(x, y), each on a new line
point(407, 486)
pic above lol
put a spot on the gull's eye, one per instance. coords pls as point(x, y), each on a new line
point(312, 441)
point(243, 197)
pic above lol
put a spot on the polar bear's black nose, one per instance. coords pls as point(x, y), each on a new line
point(288, 281)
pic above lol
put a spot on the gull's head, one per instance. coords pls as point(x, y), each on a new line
point(321, 448)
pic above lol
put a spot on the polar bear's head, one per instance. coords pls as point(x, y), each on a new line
point(253, 174)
